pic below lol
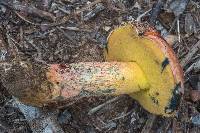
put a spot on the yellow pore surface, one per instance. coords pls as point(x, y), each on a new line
point(125, 45)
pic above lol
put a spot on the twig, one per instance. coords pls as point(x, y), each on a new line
point(114, 8)
point(122, 116)
point(23, 18)
point(3, 48)
point(64, 20)
point(3, 54)
point(155, 11)
point(18, 6)
point(167, 126)
point(189, 69)
point(173, 24)
point(194, 3)
point(93, 12)
point(142, 15)
point(66, 35)
point(174, 124)
point(63, 10)
point(95, 109)
point(88, 6)
point(12, 45)
point(190, 54)
point(107, 126)
point(178, 30)
point(21, 33)
point(149, 124)
point(75, 29)
point(197, 65)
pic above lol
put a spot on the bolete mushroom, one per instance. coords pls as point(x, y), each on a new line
point(138, 63)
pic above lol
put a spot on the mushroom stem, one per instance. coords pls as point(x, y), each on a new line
point(97, 78)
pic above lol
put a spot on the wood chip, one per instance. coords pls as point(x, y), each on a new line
point(195, 95)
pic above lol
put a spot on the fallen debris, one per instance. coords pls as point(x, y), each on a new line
point(95, 109)
point(156, 9)
point(190, 54)
point(196, 120)
point(98, 8)
point(195, 95)
point(30, 29)
point(149, 123)
point(18, 6)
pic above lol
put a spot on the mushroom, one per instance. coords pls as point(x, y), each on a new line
point(138, 63)
point(141, 44)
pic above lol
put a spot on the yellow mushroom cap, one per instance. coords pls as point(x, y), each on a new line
point(142, 44)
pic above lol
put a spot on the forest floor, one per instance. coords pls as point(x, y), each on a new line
point(66, 31)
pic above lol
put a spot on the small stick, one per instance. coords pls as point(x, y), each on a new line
point(93, 12)
point(62, 21)
point(122, 116)
point(149, 124)
point(190, 54)
point(194, 3)
point(3, 48)
point(167, 126)
point(66, 35)
point(75, 29)
point(142, 15)
point(178, 30)
point(174, 126)
point(155, 11)
point(99, 107)
point(189, 69)
point(197, 65)
point(88, 6)
point(18, 6)
point(173, 24)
